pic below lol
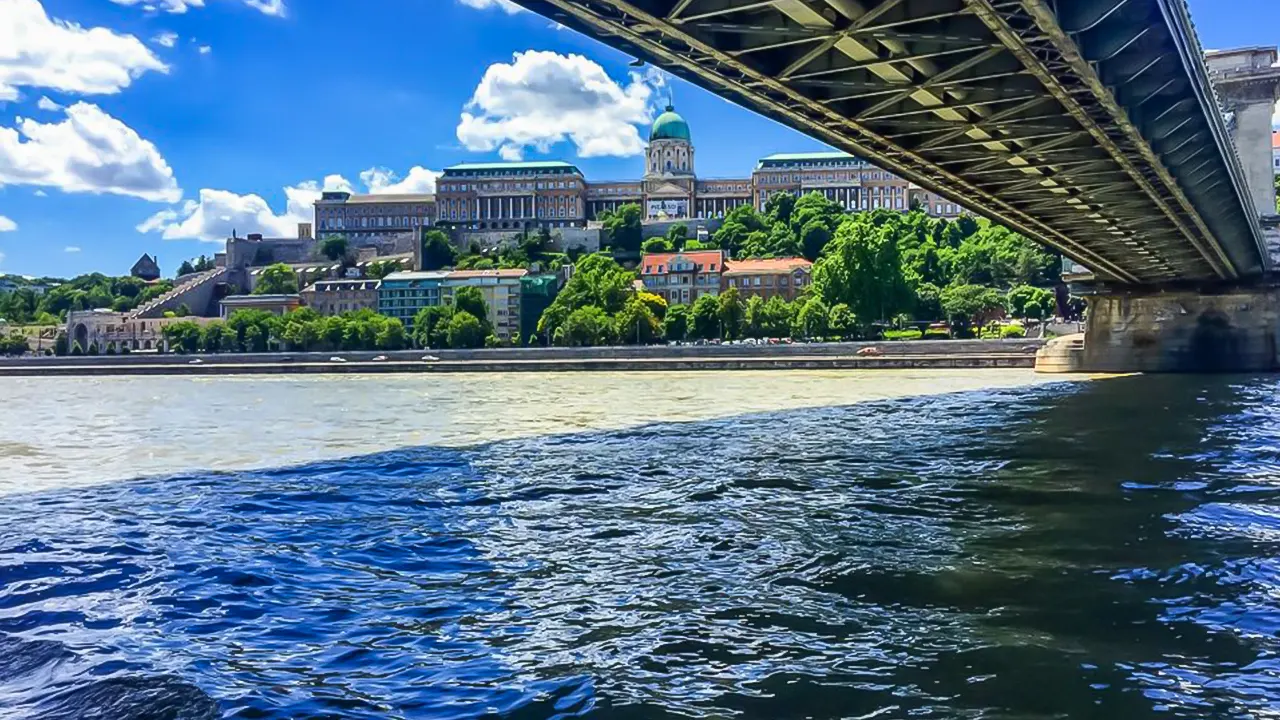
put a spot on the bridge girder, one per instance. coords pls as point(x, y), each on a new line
point(1083, 129)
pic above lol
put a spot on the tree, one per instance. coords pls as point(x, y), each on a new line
point(278, 279)
point(656, 245)
point(754, 320)
point(381, 268)
point(437, 251)
point(587, 326)
point(677, 236)
point(598, 281)
point(636, 323)
point(60, 344)
point(706, 317)
point(731, 311)
point(862, 269)
point(624, 228)
point(779, 206)
point(186, 268)
point(675, 325)
point(657, 304)
point(465, 331)
point(778, 314)
point(334, 247)
point(390, 335)
point(928, 302)
point(1026, 302)
point(812, 320)
point(183, 310)
point(841, 321)
point(182, 337)
point(431, 326)
point(738, 225)
point(969, 306)
point(471, 300)
point(216, 337)
point(813, 239)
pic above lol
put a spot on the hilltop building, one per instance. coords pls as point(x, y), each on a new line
point(513, 196)
point(146, 268)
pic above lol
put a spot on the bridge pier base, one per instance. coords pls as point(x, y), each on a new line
point(1236, 330)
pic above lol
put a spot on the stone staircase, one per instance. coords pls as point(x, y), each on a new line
point(194, 287)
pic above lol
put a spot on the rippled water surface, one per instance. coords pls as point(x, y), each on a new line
point(1100, 549)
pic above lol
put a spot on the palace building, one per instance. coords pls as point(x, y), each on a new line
point(520, 195)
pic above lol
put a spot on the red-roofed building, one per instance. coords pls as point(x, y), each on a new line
point(767, 277)
point(682, 277)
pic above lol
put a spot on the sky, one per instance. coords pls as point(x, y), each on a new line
point(159, 126)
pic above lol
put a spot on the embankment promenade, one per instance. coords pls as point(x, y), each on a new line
point(924, 354)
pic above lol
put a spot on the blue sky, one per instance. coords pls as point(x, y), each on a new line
point(131, 126)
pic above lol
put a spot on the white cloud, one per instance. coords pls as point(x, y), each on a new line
point(89, 151)
point(506, 6)
point(218, 212)
point(166, 39)
point(71, 249)
point(380, 181)
point(6, 225)
point(36, 51)
point(542, 98)
point(205, 49)
point(41, 193)
point(267, 7)
point(49, 105)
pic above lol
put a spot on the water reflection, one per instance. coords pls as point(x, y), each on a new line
point(1100, 550)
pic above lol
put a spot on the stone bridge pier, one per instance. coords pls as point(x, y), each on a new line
point(1227, 328)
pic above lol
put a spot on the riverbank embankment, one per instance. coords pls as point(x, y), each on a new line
point(949, 354)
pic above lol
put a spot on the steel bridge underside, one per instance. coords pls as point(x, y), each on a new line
point(1088, 125)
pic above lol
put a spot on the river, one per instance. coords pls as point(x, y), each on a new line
point(881, 544)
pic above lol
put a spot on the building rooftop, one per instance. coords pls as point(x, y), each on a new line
point(390, 198)
point(345, 284)
point(1275, 140)
point(670, 126)
point(416, 275)
point(260, 299)
point(810, 156)
point(710, 260)
point(537, 165)
point(505, 273)
point(762, 265)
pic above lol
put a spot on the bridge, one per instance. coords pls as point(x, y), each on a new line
point(1090, 126)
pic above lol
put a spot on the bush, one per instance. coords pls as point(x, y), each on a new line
point(111, 350)
point(909, 334)
point(937, 335)
point(1013, 331)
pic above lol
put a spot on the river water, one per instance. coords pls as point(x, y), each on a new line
point(701, 545)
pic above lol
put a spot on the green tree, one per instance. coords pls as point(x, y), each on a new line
point(675, 325)
point(706, 318)
point(186, 268)
point(778, 315)
point(437, 251)
point(381, 268)
point(677, 236)
point(738, 225)
point(731, 311)
point(636, 323)
point(431, 326)
point(334, 247)
point(598, 281)
point(811, 322)
point(390, 335)
point(587, 326)
point(657, 304)
point(928, 302)
point(656, 245)
point(624, 228)
point(841, 321)
point(862, 269)
point(1026, 302)
point(754, 320)
point(465, 331)
point(182, 337)
point(216, 337)
point(779, 206)
point(471, 300)
point(278, 279)
point(970, 306)
point(60, 344)
point(814, 238)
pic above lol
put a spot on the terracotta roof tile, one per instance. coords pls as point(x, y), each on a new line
point(710, 260)
point(766, 265)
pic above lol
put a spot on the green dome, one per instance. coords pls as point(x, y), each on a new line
point(670, 126)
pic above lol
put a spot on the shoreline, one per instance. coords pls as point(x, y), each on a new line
point(944, 354)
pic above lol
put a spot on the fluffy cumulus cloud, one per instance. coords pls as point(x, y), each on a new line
point(88, 151)
point(504, 5)
point(542, 98)
point(6, 225)
point(38, 51)
point(217, 212)
point(48, 105)
point(266, 7)
point(166, 39)
point(380, 181)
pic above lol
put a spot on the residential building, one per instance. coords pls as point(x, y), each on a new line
point(501, 290)
point(274, 304)
point(1275, 151)
point(511, 196)
point(146, 268)
point(784, 277)
point(334, 297)
point(402, 294)
point(365, 219)
point(683, 277)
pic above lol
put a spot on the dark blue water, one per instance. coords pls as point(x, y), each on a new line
point(1098, 550)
